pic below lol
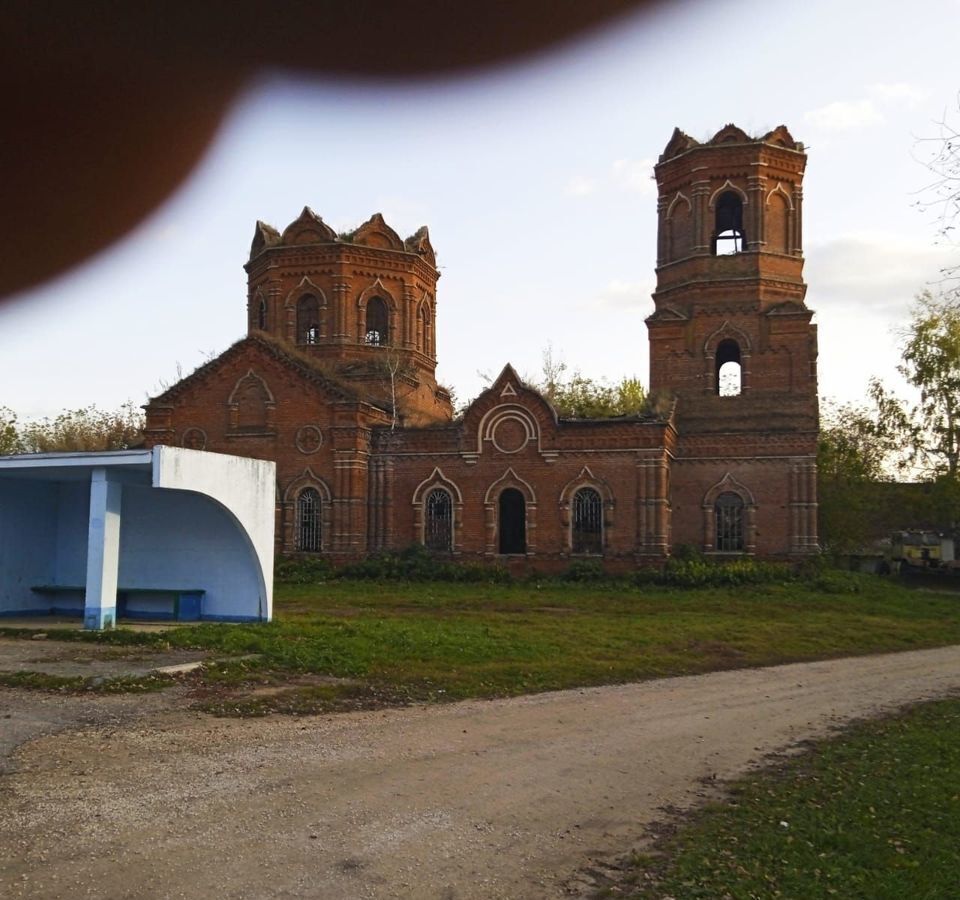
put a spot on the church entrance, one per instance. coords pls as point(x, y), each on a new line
point(513, 522)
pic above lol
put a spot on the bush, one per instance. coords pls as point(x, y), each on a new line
point(302, 570)
point(698, 572)
point(585, 570)
point(416, 563)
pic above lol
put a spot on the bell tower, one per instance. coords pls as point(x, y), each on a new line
point(730, 331)
point(731, 338)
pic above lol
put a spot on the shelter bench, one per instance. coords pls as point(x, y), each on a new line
point(180, 604)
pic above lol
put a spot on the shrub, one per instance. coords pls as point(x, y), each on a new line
point(584, 570)
point(302, 570)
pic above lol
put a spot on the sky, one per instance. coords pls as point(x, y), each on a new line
point(535, 181)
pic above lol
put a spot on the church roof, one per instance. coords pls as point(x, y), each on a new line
point(309, 368)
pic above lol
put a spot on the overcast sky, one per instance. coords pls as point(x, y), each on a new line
point(536, 184)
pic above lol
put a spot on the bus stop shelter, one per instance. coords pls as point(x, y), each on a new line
point(166, 533)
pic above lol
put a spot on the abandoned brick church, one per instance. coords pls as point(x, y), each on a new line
point(335, 381)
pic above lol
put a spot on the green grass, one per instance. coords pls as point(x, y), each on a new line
point(873, 814)
point(439, 640)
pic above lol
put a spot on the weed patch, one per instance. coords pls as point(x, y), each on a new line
point(874, 813)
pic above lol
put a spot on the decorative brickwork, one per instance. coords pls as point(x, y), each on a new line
point(336, 382)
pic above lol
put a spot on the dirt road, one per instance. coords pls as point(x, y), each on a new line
point(506, 799)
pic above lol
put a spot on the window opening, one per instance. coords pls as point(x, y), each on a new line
point(309, 507)
point(438, 521)
point(376, 325)
point(728, 235)
point(587, 522)
point(729, 513)
point(262, 315)
point(513, 522)
point(728, 369)
point(308, 320)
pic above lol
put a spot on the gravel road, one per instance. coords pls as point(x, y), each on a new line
point(505, 799)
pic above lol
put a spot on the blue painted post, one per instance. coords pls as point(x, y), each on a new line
point(103, 552)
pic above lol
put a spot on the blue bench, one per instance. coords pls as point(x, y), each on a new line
point(180, 604)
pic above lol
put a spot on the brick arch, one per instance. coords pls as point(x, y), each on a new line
point(728, 185)
point(778, 220)
point(426, 329)
point(251, 405)
point(259, 311)
point(291, 304)
point(491, 501)
point(508, 412)
point(729, 485)
point(679, 227)
point(288, 509)
point(586, 479)
point(436, 480)
point(394, 323)
point(726, 332)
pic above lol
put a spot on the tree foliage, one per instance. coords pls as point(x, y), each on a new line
point(9, 436)
point(857, 450)
point(89, 428)
point(931, 364)
point(576, 396)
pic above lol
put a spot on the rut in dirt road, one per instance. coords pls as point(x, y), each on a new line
point(504, 799)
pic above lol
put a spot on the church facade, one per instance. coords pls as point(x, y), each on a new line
point(336, 382)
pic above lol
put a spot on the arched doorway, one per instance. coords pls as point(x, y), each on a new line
point(513, 521)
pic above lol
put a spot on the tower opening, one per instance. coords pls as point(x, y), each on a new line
point(376, 323)
point(728, 234)
point(728, 369)
point(308, 320)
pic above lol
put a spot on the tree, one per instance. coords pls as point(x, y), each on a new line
point(858, 450)
point(575, 396)
point(943, 160)
point(931, 364)
point(89, 428)
point(9, 435)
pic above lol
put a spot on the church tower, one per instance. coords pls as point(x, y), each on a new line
point(732, 339)
point(362, 303)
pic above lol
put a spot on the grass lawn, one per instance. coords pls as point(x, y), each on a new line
point(874, 814)
point(348, 643)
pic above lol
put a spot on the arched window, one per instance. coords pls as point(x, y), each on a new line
point(729, 516)
point(587, 525)
point(262, 315)
point(728, 235)
point(308, 320)
point(728, 370)
point(309, 536)
point(251, 399)
point(438, 521)
point(376, 324)
point(513, 522)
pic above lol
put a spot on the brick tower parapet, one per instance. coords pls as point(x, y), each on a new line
point(363, 302)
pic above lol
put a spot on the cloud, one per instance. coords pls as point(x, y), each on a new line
point(899, 92)
point(842, 115)
point(580, 186)
point(619, 295)
point(873, 274)
point(635, 175)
